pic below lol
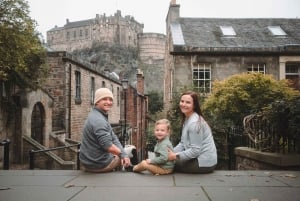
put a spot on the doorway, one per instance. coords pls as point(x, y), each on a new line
point(38, 123)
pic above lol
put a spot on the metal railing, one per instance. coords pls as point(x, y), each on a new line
point(264, 135)
point(5, 144)
point(32, 152)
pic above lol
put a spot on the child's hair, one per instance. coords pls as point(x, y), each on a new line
point(164, 121)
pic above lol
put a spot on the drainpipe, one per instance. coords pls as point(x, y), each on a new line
point(69, 102)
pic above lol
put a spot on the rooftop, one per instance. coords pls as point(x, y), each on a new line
point(238, 34)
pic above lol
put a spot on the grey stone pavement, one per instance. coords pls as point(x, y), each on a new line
point(76, 185)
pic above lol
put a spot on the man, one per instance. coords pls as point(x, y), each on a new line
point(101, 150)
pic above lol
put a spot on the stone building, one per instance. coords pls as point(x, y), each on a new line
point(201, 50)
point(54, 115)
point(151, 59)
point(72, 84)
point(117, 31)
point(102, 29)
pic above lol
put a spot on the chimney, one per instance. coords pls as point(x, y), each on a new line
point(173, 13)
point(140, 81)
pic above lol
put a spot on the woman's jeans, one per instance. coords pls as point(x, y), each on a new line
point(191, 166)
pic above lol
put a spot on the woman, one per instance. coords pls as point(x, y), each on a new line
point(196, 151)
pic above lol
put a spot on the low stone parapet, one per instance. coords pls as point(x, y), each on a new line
point(251, 159)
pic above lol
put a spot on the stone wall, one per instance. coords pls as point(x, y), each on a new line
point(152, 57)
point(251, 159)
point(70, 113)
point(222, 67)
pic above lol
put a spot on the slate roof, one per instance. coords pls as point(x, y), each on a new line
point(204, 34)
point(81, 23)
point(76, 24)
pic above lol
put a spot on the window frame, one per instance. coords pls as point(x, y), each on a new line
point(228, 31)
point(257, 66)
point(92, 90)
point(77, 87)
point(204, 83)
point(293, 76)
point(277, 31)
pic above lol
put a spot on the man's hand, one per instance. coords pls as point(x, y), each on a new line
point(125, 162)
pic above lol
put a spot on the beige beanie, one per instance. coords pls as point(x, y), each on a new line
point(102, 93)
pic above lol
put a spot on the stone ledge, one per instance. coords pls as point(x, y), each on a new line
point(282, 160)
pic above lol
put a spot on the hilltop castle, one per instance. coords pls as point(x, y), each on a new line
point(102, 29)
point(117, 32)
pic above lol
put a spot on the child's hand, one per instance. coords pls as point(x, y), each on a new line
point(148, 161)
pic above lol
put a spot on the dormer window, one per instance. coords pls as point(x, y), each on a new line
point(227, 30)
point(276, 31)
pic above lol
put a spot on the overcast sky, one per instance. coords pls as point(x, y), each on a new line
point(152, 13)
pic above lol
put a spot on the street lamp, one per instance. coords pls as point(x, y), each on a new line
point(125, 86)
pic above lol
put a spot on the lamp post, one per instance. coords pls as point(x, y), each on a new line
point(125, 86)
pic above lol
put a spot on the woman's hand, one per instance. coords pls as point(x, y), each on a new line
point(171, 155)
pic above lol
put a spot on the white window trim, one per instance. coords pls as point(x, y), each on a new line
point(258, 66)
point(205, 67)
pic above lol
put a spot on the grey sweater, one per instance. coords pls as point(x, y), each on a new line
point(197, 142)
point(97, 137)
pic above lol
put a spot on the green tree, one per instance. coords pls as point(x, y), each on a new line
point(240, 95)
point(22, 56)
point(155, 102)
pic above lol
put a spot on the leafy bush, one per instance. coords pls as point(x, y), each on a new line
point(240, 95)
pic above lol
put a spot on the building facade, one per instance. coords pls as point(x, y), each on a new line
point(201, 50)
point(151, 59)
point(59, 109)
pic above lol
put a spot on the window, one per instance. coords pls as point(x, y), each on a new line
point(118, 96)
point(68, 36)
point(80, 33)
point(202, 78)
point(77, 87)
point(276, 31)
point(256, 68)
point(92, 93)
point(227, 30)
point(292, 72)
point(112, 88)
point(74, 34)
point(86, 33)
point(103, 83)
